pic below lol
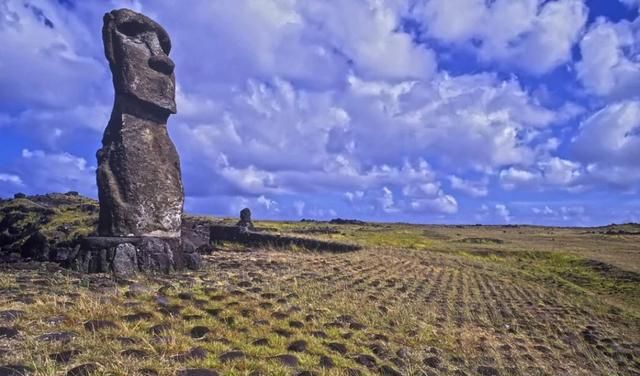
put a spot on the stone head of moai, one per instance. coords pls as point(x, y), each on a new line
point(137, 49)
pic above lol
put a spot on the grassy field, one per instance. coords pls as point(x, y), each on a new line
point(417, 300)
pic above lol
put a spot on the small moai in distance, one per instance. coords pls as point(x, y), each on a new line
point(245, 220)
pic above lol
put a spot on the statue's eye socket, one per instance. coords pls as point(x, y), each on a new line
point(132, 28)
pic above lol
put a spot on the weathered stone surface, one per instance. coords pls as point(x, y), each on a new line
point(125, 260)
point(124, 256)
point(139, 181)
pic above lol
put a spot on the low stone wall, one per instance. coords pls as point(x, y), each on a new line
point(125, 256)
point(236, 234)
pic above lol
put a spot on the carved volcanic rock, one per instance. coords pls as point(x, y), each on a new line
point(139, 179)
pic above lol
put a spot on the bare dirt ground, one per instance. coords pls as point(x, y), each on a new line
point(418, 300)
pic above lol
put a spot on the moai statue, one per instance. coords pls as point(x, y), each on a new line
point(139, 181)
point(245, 220)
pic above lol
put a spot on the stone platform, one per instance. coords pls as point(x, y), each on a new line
point(125, 256)
point(238, 234)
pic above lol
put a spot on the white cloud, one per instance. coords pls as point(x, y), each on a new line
point(547, 173)
point(609, 143)
point(472, 188)
point(535, 35)
point(11, 178)
point(267, 203)
point(49, 56)
point(631, 3)
point(503, 212)
point(610, 64)
point(299, 207)
point(39, 171)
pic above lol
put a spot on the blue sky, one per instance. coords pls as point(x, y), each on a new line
point(429, 111)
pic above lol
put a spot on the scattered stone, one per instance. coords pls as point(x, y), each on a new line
point(197, 372)
point(287, 360)
point(487, 371)
point(261, 342)
point(138, 316)
point(148, 372)
point(297, 346)
point(65, 356)
point(386, 370)
point(157, 330)
point(86, 369)
point(15, 370)
point(57, 337)
point(8, 332)
point(98, 325)
point(432, 361)
point(11, 314)
point(319, 334)
point(296, 324)
point(135, 353)
point(326, 362)
point(337, 347)
point(127, 341)
point(283, 333)
point(365, 360)
point(199, 332)
point(230, 356)
point(195, 353)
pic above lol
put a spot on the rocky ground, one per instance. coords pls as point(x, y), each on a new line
point(417, 300)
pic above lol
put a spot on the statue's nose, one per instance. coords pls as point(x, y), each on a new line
point(162, 64)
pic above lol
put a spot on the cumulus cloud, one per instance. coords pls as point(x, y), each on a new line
point(631, 3)
point(608, 142)
point(609, 65)
point(503, 212)
point(316, 108)
point(54, 45)
point(472, 188)
point(39, 172)
point(534, 35)
point(11, 178)
point(548, 173)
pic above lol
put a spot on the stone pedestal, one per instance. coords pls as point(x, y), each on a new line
point(125, 256)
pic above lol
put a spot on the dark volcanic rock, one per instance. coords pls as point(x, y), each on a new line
point(7, 332)
point(139, 179)
point(36, 247)
point(231, 356)
point(197, 372)
point(57, 337)
point(86, 369)
point(98, 325)
point(15, 370)
point(196, 353)
point(287, 360)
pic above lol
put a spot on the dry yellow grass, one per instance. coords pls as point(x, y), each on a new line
point(418, 300)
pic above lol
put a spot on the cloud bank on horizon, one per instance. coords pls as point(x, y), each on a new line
point(433, 111)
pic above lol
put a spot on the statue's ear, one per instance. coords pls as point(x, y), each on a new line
point(108, 29)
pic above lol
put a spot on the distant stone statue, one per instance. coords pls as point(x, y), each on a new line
point(245, 220)
point(139, 181)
